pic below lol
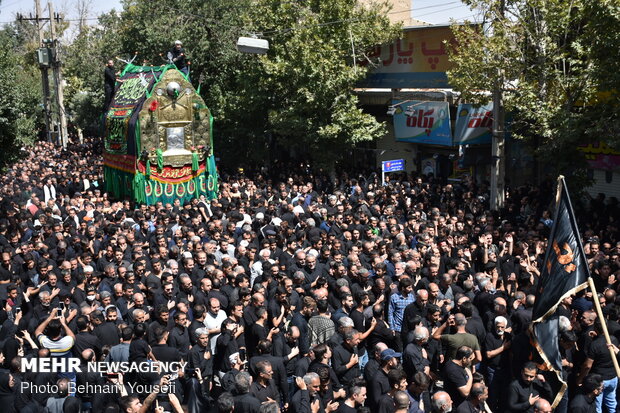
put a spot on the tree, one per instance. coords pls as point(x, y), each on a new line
point(83, 66)
point(306, 79)
point(555, 68)
point(298, 96)
point(20, 95)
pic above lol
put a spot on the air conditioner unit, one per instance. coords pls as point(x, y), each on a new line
point(252, 45)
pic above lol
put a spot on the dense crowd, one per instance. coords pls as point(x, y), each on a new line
point(292, 291)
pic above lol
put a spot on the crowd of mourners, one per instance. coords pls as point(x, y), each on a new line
point(293, 291)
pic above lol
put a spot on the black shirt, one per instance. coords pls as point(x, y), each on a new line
point(262, 393)
point(178, 57)
point(413, 359)
point(110, 77)
point(246, 403)
point(599, 352)
point(344, 408)
point(476, 327)
point(583, 404)
point(166, 353)
point(179, 338)
point(519, 395)
point(107, 333)
point(379, 385)
point(386, 404)
point(493, 342)
point(138, 350)
point(279, 372)
point(342, 355)
point(84, 340)
point(467, 407)
point(225, 345)
point(454, 376)
point(371, 369)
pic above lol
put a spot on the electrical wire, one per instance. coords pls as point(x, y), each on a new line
point(4, 6)
point(358, 20)
point(278, 31)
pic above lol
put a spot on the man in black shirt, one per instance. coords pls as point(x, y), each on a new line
point(166, 353)
point(345, 358)
point(84, 339)
point(226, 346)
point(264, 348)
point(415, 357)
point(244, 401)
point(307, 397)
point(496, 350)
point(177, 55)
point(199, 357)
point(109, 75)
point(417, 308)
point(374, 361)
point(106, 331)
point(398, 382)
point(356, 396)
point(526, 390)
point(457, 375)
point(161, 320)
point(585, 402)
point(179, 335)
point(475, 403)
point(300, 320)
point(379, 383)
point(264, 388)
point(598, 361)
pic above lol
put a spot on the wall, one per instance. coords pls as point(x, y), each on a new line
point(601, 185)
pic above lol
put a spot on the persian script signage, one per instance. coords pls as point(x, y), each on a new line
point(417, 60)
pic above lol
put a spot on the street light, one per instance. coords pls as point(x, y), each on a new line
point(252, 45)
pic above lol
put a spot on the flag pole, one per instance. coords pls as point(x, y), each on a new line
point(597, 304)
point(599, 312)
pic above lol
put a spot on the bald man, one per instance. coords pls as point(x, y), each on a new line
point(542, 406)
point(476, 402)
point(442, 403)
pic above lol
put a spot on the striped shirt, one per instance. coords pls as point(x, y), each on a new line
point(58, 348)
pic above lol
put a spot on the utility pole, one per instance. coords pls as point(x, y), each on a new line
point(57, 68)
point(43, 56)
point(498, 150)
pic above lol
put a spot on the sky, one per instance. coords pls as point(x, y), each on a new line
point(431, 11)
point(10, 8)
point(440, 11)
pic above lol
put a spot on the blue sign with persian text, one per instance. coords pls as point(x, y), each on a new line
point(393, 166)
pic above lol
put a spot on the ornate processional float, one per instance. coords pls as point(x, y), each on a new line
point(158, 142)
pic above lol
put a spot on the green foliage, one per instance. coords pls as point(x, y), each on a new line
point(298, 97)
point(20, 97)
point(83, 65)
point(557, 62)
point(306, 78)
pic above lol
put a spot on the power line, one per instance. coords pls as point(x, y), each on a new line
point(10, 4)
point(275, 32)
point(358, 20)
point(437, 11)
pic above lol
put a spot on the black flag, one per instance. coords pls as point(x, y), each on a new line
point(565, 271)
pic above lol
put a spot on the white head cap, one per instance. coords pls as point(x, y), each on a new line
point(177, 42)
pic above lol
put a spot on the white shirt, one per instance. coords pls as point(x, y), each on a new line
point(212, 322)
